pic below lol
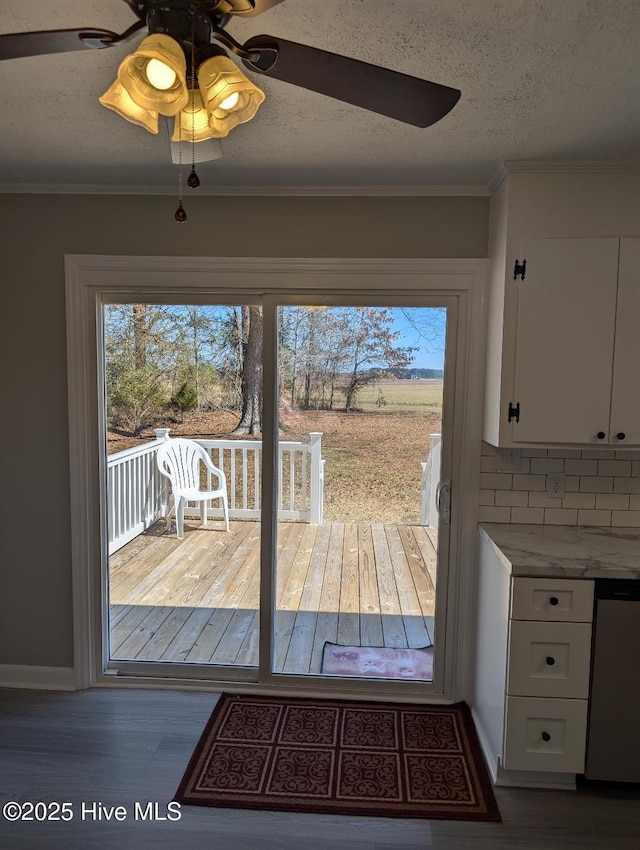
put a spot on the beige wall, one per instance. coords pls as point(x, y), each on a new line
point(36, 232)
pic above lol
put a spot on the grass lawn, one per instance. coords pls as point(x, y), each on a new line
point(372, 469)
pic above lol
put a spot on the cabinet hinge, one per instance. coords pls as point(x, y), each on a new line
point(514, 412)
point(519, 269)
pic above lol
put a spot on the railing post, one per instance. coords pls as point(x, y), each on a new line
point(163, 489)
point(315, 502)
point(430, 479)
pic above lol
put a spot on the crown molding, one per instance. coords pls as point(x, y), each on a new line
point(571, 166)
point(478, 190)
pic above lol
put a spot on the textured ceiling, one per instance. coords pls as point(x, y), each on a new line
point(540, 80)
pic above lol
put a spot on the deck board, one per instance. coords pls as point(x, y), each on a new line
point(196, 600)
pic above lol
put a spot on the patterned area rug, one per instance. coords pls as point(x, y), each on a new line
point(339, 757)
point(377, 662)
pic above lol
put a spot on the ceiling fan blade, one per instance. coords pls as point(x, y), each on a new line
point(260, 7)
point(18, 44)
point(408, 99)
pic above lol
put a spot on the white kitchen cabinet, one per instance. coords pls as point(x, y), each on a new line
point(533, 653)
point(576, 356)
point(563, 342)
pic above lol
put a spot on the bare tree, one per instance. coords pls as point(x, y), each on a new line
point(251, 415)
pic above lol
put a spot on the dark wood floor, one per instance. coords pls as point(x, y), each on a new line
point(120, 746)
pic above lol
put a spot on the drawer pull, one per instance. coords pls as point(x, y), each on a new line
point(553, 600)
point(550, 660)
point(621, 435)
point(546, 736)
point(601, 435)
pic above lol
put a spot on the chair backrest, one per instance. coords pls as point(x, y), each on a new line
point(180, 460)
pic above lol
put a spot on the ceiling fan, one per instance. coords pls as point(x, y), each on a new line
point(396, 95)
point(181, 69)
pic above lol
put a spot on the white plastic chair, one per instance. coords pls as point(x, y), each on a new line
point(179, 460)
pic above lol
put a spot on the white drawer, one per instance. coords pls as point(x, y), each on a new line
point(545, 734)
point(549, 659)
point(568, 600)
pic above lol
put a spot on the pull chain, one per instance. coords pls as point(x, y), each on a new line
point(193, 181)
point(180, 212)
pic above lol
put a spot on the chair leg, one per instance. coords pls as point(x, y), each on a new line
point(180, 518)
point(204, 511)
point(225, 510)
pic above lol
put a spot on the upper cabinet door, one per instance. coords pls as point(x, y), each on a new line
point(565, 338)
point(625, 403)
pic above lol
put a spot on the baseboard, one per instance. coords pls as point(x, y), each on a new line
point(39, 678)
point(491, 759)
point(536, 779)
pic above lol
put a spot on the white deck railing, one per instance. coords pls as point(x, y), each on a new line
point(137, 493)
point(430, 479)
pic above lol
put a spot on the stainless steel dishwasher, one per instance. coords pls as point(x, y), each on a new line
point(613, 735)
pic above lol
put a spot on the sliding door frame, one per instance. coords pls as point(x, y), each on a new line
point(92, 279)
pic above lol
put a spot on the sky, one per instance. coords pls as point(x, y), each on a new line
point(423, 327)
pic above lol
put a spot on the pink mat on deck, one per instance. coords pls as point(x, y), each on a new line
point(377, 661)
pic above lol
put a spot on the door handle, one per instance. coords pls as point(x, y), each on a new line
point(443, 501)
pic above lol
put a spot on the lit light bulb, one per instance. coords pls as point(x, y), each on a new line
point(231, 101)
point(160, 76)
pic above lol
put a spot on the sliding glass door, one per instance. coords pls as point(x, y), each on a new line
point(360, 437)
point(311, 543)
point(183, 388)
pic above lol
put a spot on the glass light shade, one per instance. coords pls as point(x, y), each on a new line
point(192, 124)
point(132, 73)
point(219, 78)
point(119, 99)
point(160, 76)
point(227, 6)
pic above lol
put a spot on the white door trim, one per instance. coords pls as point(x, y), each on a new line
point(91, 278)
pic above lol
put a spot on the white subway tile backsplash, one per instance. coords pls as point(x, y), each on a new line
point(581, 467)
point(625, 518)
point(491, 514)
point(614, 467)
point(495, 481)
point(487, 463)
point(613, 501)
point(561, 516)
point(529, 482)
point(543, 465)
point(596, 484)
point(594, 517)
point(518, 498)
point(602, 486)
point(625, 485)
point(579, 500)
point(542, 500)
point(534, 516)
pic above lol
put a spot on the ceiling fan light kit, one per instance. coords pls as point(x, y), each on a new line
point(229, 97)
point(118, 98)
point(167, 55)
point(159, 78)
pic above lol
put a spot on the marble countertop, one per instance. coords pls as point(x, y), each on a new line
point(566, 550)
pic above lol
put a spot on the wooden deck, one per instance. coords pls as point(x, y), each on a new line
point(196, 600)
